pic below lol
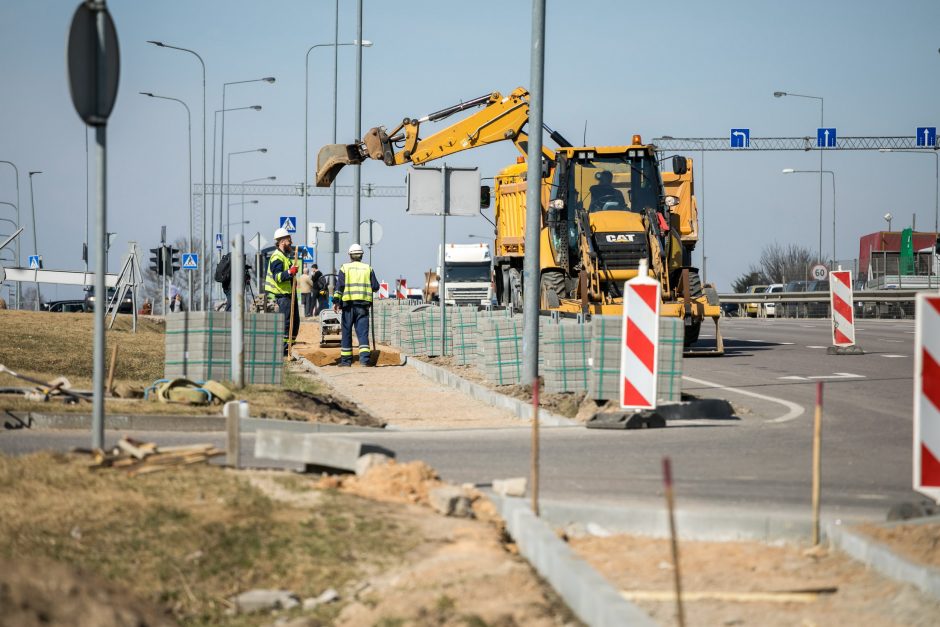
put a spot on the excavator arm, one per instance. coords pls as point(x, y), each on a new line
point(500, 119)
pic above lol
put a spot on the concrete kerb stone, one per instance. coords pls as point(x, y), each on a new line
point(880, 557)
point(591, 597)
point(115, 422)
point(521, 409)
point(315, 450)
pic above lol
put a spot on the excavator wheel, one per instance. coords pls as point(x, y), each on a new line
point(691, 333)
point(552, 289)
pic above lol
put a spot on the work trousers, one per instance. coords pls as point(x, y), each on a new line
point(308, 304)
point(355, 316)
point(284, 306)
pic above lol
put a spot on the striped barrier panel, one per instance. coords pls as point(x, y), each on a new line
point(638, 353)
point(843, 312)
point(927, 396)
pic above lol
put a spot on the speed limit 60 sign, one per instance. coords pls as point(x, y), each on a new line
point(819, 272)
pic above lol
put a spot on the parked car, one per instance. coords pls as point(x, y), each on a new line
point(753, 309)
point(126, 305)
point(770, 309)
point(66, 306)
point(730, 309)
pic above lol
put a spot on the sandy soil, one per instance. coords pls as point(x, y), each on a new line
point(462, 572)
point(862, 597)
point(401, 397)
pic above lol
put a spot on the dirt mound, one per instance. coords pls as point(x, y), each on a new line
point(331, 409)
point(42, 592)
point(330, 357)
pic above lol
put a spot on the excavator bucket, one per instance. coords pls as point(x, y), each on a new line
point(332, 158)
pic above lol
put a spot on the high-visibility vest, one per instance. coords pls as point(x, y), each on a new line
point(358, 285)
point(281, 284)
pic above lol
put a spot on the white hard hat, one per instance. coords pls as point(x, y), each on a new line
point(280, 234)
point(355, 249)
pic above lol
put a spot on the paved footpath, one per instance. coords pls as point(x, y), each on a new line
point(404, 398)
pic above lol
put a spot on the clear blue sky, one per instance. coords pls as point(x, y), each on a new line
point(682, 68)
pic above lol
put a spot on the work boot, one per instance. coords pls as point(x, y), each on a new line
point(345, 364)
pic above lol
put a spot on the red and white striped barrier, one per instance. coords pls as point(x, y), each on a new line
point(843, 312)
point(383, 290)
point(640, 350)
point(401, 289)
point(927, 396)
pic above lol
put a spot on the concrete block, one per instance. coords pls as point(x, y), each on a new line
point(510, 487)
point(450, 501)
point(318, 452)
point(369, 461)
point(261, 600)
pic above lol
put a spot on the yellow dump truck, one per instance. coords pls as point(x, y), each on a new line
point(604, 208)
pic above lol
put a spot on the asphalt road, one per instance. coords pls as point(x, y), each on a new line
point(759, 462)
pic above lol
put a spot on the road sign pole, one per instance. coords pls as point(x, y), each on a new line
point(101, 291)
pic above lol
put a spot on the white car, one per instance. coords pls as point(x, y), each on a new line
point(770, 309)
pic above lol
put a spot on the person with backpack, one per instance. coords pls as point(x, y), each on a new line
point(223, 275)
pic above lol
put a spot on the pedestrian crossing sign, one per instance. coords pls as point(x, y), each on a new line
point(289, 224)
point(35, 262)
point(218, 241)
point(190, 261)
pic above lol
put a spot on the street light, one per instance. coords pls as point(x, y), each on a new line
point(228, 182)
point(833, 174)
point(267, 79)
point(242, 203)
point(365, 44)
point(32, 203)
point(16, 173)
point(214, 128)
point(202, 270)
point(781, 94)
point(887, 218)
point(189, 188)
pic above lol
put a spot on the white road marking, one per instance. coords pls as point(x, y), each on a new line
point(817, 347)
point(794, 410)
point(894, 356)
point(892, 341)
point(834, 375)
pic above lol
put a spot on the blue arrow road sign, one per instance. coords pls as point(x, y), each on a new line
point(289, 223)
point(190, 261)
point(218, 241)
point(926, 135)
point(35, 262)
point(740, 138)
point(825, 138)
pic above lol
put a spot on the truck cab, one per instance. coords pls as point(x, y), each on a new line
point(467, 270)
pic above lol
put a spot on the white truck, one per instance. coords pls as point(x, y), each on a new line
point(468, 274)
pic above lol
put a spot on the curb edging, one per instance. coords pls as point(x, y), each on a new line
point(880, 557)
point(591, 597)
point(520, 409)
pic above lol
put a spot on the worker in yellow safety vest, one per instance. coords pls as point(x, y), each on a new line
point(280, 282)
point(354, 287)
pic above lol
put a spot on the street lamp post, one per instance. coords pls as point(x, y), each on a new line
point(888, 218)
point(357, 170)
point(32, 203)
point(267, 79)
point(202, 270)
point(16, 173)
point(242, 203)
point(822, 124)
point(228, 166)
point(365, 44)
point(189, 188)
point(936, 197)
point(833, 174)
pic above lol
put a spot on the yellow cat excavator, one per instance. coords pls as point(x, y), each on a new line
point(603, 209)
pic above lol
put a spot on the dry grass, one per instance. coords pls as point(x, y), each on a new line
point(190, 539)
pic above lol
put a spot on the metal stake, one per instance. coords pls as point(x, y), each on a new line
point(238, 310)
point(440, 284)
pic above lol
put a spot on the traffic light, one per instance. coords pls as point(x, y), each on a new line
point(171, 259)
point(156, 261)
